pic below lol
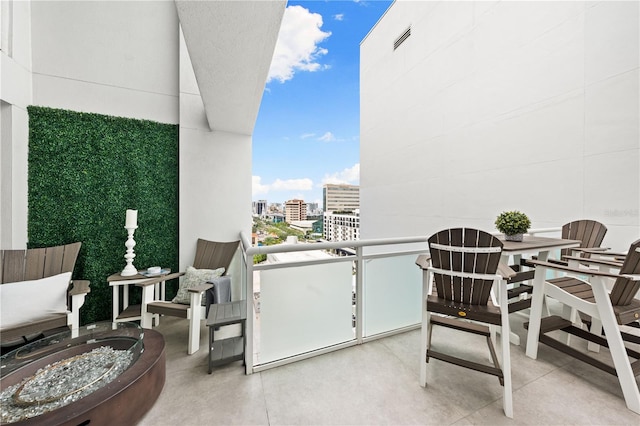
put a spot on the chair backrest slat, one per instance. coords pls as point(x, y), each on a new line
point(36, 263)
point(590, 232)
point(467, 290)
point(624, 289)
point(12, 266)
point(213, 254)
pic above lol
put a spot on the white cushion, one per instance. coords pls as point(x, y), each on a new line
point(192, 278)
point(25, 301)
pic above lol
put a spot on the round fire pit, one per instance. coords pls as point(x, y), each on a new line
point(105, 373)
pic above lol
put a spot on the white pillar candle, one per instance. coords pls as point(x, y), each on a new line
point(132, 219)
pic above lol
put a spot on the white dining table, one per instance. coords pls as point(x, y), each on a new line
point(536, 246)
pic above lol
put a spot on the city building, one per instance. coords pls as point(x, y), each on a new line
point(295, 210)
point(275, 217)
point(305, 226)
point(339, 197)
point(260, 208)
point(275, 208)
point(343, 226)
point(313, 209)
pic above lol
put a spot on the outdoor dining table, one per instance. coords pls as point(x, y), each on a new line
point(532, 245)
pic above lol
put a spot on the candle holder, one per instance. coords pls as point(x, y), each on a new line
point(129, 270)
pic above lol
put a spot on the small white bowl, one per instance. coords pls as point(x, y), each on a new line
point(154, 270)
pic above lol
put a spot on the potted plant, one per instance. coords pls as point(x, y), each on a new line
point(513, 224)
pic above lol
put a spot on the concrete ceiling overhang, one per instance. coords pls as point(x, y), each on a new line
point(231, 44)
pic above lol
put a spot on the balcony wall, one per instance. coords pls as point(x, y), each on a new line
point(493, 106)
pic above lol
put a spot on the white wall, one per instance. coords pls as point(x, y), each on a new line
point(215, 174)
point(15, 96)
point(492, 106)
point(123, 59)
point(115, 58)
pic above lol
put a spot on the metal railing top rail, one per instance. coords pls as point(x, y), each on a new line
point(286, 248)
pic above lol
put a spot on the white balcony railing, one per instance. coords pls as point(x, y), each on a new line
point(310, 303)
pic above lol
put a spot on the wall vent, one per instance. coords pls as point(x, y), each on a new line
point(402, 38)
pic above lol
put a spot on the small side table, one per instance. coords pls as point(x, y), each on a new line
point(231, 349)
point(118, 283)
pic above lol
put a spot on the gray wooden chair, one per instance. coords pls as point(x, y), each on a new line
point(209, 255)
point(17, 266)
point(464, 266)
point(609, 309)
point(590, 232)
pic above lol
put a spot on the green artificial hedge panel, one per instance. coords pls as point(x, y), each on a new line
point(85, 171)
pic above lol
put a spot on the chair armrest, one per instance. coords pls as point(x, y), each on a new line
point(159, 279)
point(594, 261)
point(591, 249)
point(505, 271)
point(600, 251)
point(577, 271)
point(200, 288)
point(79, 287)
point(424, 261)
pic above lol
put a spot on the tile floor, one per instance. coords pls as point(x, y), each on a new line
point(377, 384)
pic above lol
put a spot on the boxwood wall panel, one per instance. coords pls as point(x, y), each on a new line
point(85, 171)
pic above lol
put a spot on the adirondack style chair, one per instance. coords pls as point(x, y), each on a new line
point(609, 309)
point(464, 266)
point(589, 232)
point(30, 279)
point(210, 255)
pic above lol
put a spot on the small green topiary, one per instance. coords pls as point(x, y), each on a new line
point(513, 223)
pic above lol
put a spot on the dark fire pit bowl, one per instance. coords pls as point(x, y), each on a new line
point(124, 400)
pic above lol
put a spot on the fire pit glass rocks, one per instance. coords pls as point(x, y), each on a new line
point(59, 370)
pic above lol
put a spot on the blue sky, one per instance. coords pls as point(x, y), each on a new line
point(307, 131)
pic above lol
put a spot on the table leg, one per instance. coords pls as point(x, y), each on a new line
point(115, 303)
point(535, 317)
point(513, 337)
point(125, 296)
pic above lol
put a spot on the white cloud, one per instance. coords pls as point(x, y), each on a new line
point(307, 135)
point(297, 46)
point(259, 188)
point(339, 17)
point(304, 184)
point(327, 137)
point(349, 176)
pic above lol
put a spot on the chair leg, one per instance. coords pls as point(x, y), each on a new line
point(424, 346)
point(425, 335)
point(194, 323)
point(596, 328)
point(507, 398)
point(616, 346)
point(146, 320)
point(569, 313)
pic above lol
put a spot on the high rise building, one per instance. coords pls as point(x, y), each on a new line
point(260, 207)
point(313, 208)
point(295, 210)
point(340, 197)
point(341, 226)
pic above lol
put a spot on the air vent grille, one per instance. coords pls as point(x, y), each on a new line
point(402, 38)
